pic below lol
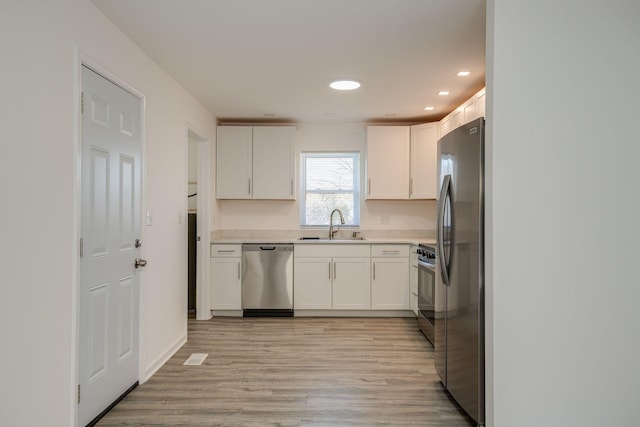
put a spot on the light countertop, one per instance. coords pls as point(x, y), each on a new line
point(324, 241)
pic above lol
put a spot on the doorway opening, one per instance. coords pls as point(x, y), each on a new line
point(197, 189)
point(192, 227)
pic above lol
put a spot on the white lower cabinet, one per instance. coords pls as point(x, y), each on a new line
point(226, 273)
point(332, 277)
point(351, 284)
point(312, 279)
point(413, 279)
point(390, 277)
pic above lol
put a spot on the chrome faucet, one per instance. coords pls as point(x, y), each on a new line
point(332, 232)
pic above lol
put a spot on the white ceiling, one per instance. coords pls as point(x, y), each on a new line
point(248, 59)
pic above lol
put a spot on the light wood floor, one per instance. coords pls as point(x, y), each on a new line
point(296, 372)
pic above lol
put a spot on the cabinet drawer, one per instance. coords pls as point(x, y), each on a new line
point(389, 250)
point(331, 250)
point(225, 250)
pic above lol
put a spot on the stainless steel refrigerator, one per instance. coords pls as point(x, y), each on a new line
point(459, 328)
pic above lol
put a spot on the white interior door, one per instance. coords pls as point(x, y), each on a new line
point(110, 225)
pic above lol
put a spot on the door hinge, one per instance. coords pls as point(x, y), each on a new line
point(81, 247)
point(78, 394)
point(81, 102)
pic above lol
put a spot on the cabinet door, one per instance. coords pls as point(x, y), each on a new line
point(469, 111)
point(445, 126)
point(413, 280)
point(390, 284)
point(226, 291)
point(424, 161)
point(456, 119)
point(233, 162)
point(481, 100)
point(312, 283)
point(387, 162)
point(273, 162)
point(351, 283)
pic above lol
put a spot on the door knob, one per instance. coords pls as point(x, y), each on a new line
point(140, 262)
point(138, 243)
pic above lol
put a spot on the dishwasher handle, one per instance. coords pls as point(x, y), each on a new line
point(267, 247)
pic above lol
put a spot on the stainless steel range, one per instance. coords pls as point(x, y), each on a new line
point(426, 290)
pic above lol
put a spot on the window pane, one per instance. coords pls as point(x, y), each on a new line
point(329, 173)
point(329, 181)
point(319, 207)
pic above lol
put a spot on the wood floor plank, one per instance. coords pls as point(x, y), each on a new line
point(296, 372)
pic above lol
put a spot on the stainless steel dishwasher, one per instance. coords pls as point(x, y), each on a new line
point(267, 279)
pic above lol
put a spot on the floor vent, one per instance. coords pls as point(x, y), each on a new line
point(196, 359)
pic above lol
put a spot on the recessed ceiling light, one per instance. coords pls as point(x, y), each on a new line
point(344, 85)
point(429, 108)
point(443, 92)
point(463, 73)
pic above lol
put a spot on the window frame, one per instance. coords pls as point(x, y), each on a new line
point(355, 155)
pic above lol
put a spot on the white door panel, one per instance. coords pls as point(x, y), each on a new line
point(110, 225)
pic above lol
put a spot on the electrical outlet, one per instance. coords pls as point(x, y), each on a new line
point(148, 219)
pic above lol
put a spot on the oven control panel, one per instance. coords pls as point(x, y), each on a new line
point(426, 254)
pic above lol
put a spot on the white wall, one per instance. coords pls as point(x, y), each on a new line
point(285, 215)
point(39, 132)
point(564, 201)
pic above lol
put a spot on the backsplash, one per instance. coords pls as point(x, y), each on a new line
point(295, 234)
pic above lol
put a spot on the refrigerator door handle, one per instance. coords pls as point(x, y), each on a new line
point(444, 263)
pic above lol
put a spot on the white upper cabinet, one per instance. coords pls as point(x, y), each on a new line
point(424, 161)
point(470, 110)
point(482, 104)
point(273, 162)
point(255, 162)
point(234, 162)
point(388, 151)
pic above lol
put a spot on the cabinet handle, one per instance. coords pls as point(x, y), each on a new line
point(390, 252)
point(369, 187)
point(225, 251)
point(329, 270)
point(238, 271)
point(374, 271)
point(292, 186)
point(334, 271)
point(410, 186)
point(249, 186)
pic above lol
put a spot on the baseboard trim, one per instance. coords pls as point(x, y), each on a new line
point(354, 313)
point(163, 358)
point(226, 313)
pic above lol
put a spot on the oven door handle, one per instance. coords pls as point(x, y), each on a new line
point(445, 193)
point(427, 266)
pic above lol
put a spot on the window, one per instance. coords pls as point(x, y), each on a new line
point(329, 181)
